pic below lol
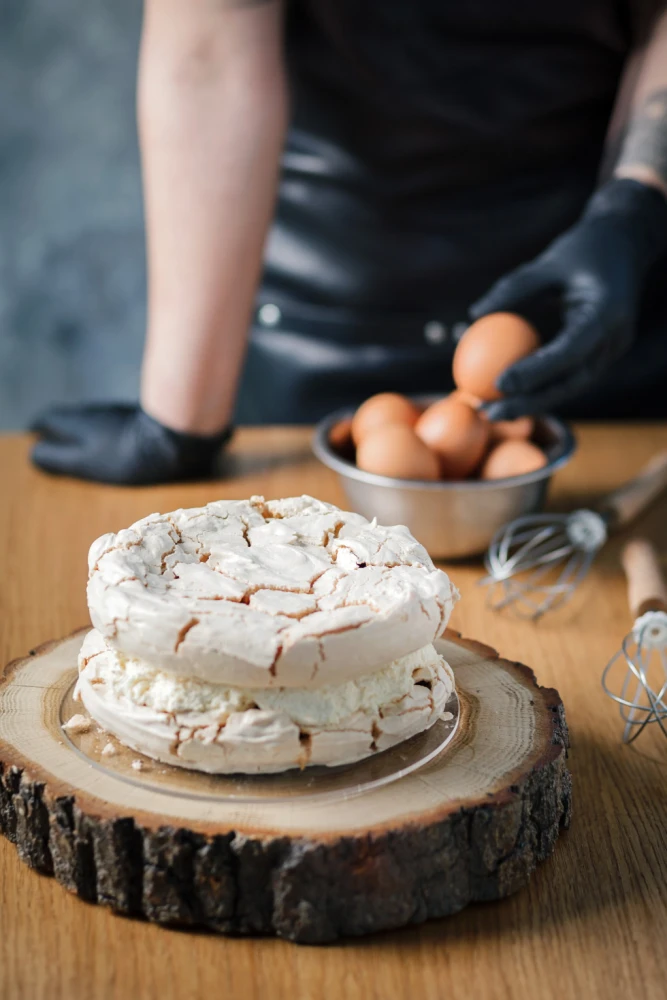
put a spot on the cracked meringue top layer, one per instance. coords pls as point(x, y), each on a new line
point(255, 593)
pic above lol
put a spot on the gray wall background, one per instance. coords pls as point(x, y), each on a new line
point(72, 273)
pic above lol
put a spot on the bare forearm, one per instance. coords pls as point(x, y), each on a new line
point(643, 142)
point(212, 120)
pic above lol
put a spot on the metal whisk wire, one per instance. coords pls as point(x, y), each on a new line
point(635, 714)
point(642, 697)
point(536, 562)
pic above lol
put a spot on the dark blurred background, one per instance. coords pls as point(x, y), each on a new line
point(72, 268)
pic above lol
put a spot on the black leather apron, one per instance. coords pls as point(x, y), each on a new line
point(434, 145)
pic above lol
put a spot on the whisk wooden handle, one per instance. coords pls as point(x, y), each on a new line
point(647, 590)
point(627, 502)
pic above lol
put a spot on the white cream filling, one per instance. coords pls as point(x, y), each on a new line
point(134, 681)
point(220, 728)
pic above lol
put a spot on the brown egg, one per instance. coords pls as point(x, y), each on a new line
point(512, 458)
point(340, 435)
point(520, 429)
point(488, 348)
point(456, 433)
point(396, 451)
point(381, 410)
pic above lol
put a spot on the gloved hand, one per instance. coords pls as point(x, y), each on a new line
point(592, 278)
point(121, 444)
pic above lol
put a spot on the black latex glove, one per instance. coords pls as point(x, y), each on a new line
point(590, 280)
point(121, 444)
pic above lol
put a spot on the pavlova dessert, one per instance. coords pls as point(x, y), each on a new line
point(257, 636)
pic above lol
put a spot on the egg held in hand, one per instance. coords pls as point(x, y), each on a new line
point(380, 411)
point(512, 458)
point(396, 451)
point(456, 433)
point(488, 348)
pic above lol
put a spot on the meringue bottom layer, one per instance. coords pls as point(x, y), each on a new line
point(222, 730)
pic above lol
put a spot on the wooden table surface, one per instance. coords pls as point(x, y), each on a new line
point(591, 924)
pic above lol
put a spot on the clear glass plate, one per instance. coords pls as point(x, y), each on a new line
point(312, 783)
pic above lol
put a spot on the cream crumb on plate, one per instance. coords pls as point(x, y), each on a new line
point(77, 724)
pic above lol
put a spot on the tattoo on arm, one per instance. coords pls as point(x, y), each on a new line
point(644, 150)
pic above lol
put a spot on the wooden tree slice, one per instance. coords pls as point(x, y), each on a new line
point(470, 825)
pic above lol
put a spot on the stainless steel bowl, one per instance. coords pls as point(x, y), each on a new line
point(451, 519)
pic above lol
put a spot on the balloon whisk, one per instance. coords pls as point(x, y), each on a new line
point(636, 677)
point(535, 563)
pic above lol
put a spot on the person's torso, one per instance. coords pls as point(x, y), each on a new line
point(435, 144)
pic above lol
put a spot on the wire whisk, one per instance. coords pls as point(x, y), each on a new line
point(536, 562)
point(636, 677)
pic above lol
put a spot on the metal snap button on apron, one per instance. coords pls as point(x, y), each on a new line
point(269, 314)
point(435, 332)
